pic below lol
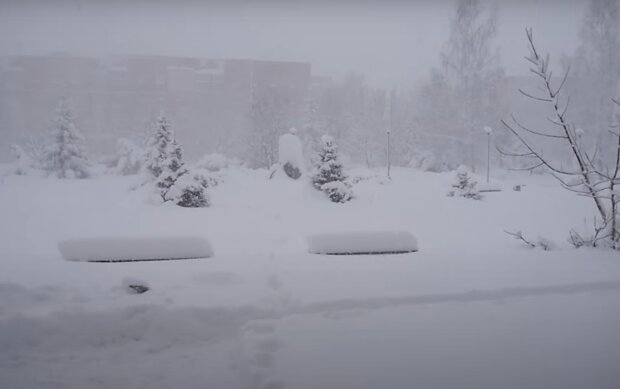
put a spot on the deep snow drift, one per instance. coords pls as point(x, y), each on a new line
point(472, 309)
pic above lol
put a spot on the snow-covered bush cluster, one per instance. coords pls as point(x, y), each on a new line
point(24, 163)
point(214, 162)
point(164, 163)
point(128, 160)
point(465, 185)
point(329, 176)
point(429, 162)
point(540, 242)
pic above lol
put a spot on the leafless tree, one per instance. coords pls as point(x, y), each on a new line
point(598, 182)
point(596, 72)
point(470, 69)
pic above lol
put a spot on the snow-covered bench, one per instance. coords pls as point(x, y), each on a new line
point(137, 248)
point(359, 243)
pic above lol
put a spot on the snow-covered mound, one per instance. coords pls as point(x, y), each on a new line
point(379, 242)
point(290, 150)
point(126, 249)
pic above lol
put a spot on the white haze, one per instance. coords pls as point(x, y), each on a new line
point(392, 43)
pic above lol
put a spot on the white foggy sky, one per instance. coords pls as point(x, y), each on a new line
point(393, 43)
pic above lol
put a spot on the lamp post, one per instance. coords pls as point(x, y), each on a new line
point(388, 129)
point(489, 131)
point(387, 132)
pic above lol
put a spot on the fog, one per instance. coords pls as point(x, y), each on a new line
point(392, 42)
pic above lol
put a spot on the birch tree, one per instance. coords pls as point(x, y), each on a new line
point(600, 182)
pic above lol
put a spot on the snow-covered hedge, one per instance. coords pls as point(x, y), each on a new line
point(369, 242)
point(138, 248)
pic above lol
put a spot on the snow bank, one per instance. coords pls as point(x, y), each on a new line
point(379, 242)
point(126, 249)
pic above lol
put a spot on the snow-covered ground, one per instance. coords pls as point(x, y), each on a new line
point(473, 308)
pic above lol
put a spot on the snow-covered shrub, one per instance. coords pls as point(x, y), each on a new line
point(464, 186)
point(129, 158)
point(23, 164)
point(206, 178)
point(64, 156)
point(213, 162)
point(329, 176)
point(337, 191)
point(429, 162)
point(188, 192)
point(540, 242)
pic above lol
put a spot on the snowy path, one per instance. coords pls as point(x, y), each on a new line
point(253, 348)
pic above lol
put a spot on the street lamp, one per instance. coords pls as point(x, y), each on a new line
point(387, 132)
point(489, 131)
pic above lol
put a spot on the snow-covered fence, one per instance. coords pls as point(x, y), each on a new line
point(128, 249)
point(357, 243)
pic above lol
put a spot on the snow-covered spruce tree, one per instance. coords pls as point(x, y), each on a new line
point(598, 181)
point(172, 168)
point(329, 176)
point(158, 147)
point(464, 186)
point(165, 162)
point(64, 156)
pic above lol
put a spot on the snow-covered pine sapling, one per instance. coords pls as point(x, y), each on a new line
point(64, 156)
point(164, 161)
point(172, 168)
point(329, 176)
point(464, 186)
point(158, 147)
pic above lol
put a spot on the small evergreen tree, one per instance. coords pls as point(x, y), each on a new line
point(330, 177)
point(65, 156)
point(158, 147)
point(464, 186)
point(172, 168)
point(165, 162)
